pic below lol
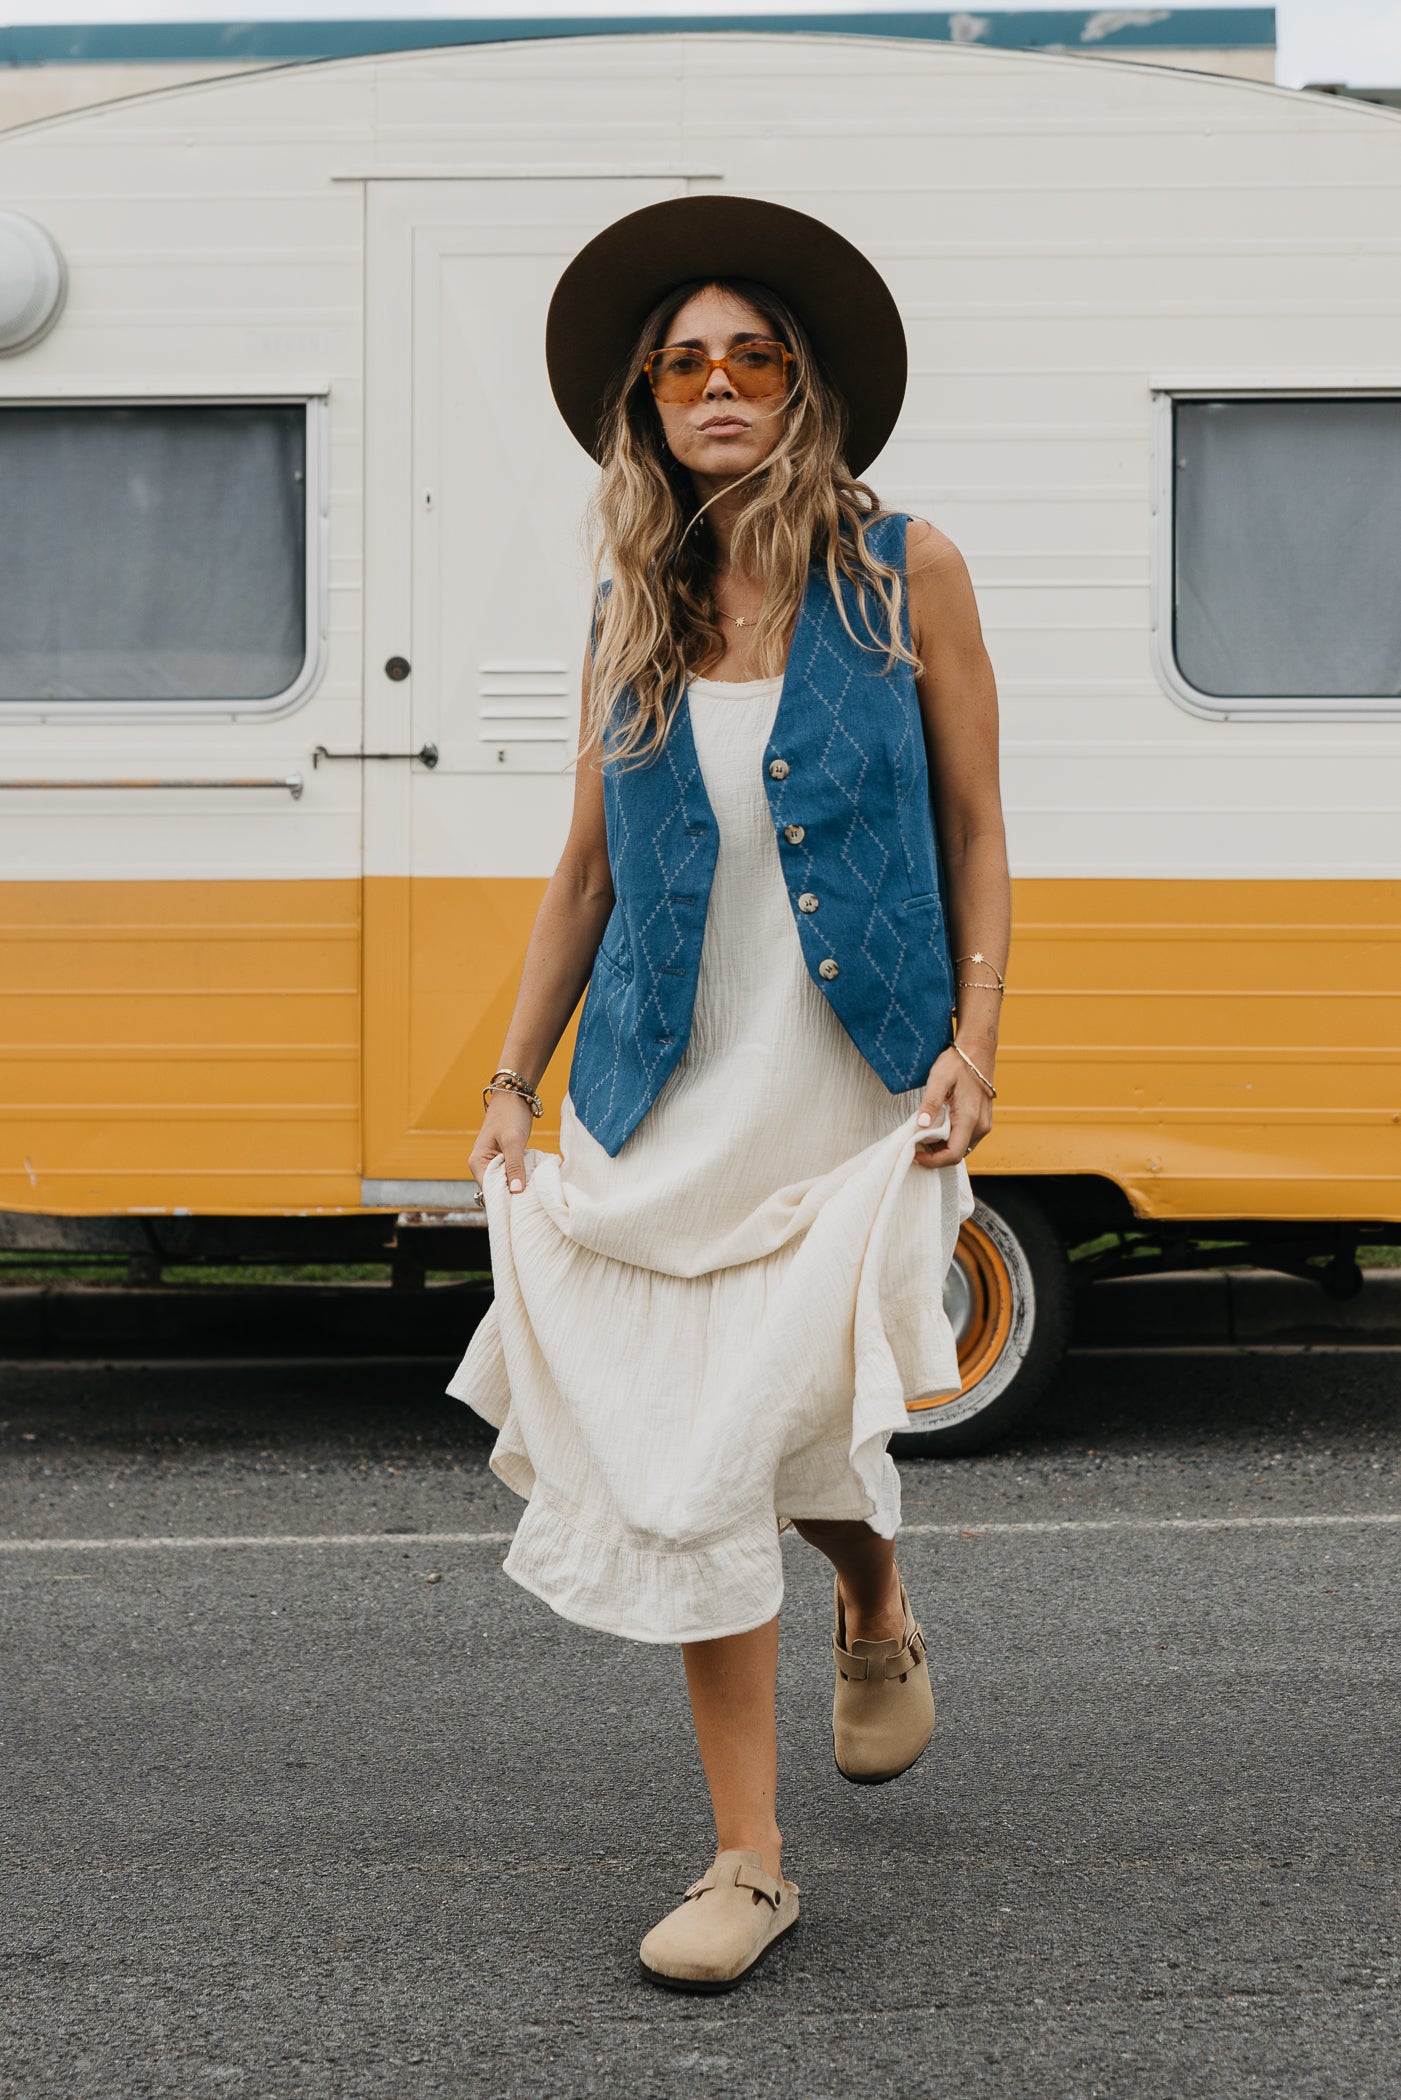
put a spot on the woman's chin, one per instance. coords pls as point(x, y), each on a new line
point(720, 459)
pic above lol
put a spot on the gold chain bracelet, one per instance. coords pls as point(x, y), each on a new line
point(969, 984)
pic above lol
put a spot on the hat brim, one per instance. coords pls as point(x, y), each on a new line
point(844, 303)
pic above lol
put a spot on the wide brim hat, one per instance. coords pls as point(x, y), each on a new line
point(841, 298)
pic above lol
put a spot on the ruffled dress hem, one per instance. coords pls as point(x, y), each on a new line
point(660, 1589)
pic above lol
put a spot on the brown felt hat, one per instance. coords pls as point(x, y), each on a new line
point(844, 303)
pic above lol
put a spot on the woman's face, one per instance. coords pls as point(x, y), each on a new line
point(724, 433)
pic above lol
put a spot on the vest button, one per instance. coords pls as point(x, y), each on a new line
point(807, 902)
point(827, 967)
point(794, 833)
point(778, 769)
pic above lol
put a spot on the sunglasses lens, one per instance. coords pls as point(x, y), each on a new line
point(755, 369)
point(679, 375)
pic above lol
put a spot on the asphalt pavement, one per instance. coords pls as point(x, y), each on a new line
point(311, 1800)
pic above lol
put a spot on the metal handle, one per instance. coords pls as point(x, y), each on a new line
point(427, 755)
point(292, 782)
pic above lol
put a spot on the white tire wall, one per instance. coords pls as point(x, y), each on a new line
point(1009, 1298)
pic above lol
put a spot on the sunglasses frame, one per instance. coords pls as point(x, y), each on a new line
point(720, 364)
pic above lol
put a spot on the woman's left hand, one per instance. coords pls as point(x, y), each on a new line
point(951, 1085)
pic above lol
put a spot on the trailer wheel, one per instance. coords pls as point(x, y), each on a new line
point(1008, 1296)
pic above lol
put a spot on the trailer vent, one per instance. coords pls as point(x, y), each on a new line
point(524, 714)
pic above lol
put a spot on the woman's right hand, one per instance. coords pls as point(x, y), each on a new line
point(505, 1128)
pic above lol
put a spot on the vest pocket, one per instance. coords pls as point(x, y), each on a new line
point(614, 949)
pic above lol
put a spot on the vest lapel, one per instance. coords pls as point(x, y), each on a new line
point(681, 742)
point(794, 677)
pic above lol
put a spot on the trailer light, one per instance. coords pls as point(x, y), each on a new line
point(33, 282)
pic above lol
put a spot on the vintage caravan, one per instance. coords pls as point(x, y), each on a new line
point(292, 605)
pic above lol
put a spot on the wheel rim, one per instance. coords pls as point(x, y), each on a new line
point(979, 1298)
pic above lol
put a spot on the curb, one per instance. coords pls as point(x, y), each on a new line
point(296, 1321)
point(1210, 1309)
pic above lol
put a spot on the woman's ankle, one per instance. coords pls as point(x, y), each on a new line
point(767, 1841)
point(874, 1619)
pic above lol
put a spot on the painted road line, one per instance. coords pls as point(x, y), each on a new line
point(970, 1528)
point(1052, 1524)
point(259, 1539)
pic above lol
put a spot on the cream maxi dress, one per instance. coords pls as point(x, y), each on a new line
point(718, 1329)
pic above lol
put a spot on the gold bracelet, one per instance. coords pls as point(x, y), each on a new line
point(971, 984)
point(992, 1090)
point(978, 957)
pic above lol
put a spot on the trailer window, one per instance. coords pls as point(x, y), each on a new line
point(1286, 548)
point(152, 552)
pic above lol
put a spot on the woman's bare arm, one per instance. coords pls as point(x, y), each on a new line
point(958, 703)
point(558, 958)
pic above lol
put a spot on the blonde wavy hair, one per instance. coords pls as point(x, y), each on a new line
point(656, 623)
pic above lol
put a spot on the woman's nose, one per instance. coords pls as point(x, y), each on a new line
point(718, 384)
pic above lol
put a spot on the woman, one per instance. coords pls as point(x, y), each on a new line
point(713, 1304)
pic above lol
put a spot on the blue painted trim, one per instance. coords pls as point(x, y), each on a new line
point(148, 43)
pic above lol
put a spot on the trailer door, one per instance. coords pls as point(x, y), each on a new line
point(476, 613)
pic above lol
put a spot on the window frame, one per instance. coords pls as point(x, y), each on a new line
point(1166, 393)
point(314, 400)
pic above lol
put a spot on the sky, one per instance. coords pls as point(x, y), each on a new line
point(1354, 41)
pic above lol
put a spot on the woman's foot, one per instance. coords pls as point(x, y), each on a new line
point(883, 1705)
point(724, 1924)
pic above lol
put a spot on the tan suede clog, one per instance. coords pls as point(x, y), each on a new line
point(883, 1706)
point(725, 1923)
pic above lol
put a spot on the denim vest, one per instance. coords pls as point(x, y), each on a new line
point(847, 781)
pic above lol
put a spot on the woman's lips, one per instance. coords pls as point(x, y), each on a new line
point(723, 426)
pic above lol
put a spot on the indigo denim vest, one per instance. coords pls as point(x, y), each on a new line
point(847, 781)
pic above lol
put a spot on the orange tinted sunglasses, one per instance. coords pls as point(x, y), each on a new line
point(679, 373)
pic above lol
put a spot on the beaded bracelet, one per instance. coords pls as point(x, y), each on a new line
point(508, 1082)
point(506, 1072)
